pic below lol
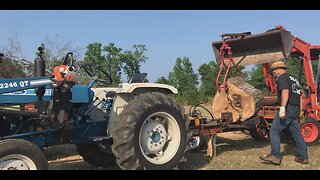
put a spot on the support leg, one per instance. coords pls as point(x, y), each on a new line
point(212, 148)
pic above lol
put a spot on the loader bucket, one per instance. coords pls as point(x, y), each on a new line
point(259, 48)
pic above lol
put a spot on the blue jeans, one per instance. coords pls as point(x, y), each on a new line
point(292, 122)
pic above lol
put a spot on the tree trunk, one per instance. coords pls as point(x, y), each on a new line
point(241, 99)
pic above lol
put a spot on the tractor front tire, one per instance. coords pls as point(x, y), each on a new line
point(19, 154)
point(99, 155)
point(150, 133)
point(310, 131)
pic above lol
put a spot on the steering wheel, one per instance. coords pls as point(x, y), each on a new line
point(92, 71)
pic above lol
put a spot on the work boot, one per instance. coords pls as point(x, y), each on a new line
point(297, 159)
point(271, 159)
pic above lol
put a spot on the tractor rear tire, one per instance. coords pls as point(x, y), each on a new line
point(310, 131)
point(99, 155)
point(19, 154)
point(150, 133)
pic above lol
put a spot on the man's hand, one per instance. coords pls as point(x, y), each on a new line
point(282, 112)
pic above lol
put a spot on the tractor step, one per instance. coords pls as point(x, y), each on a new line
point(98, 138)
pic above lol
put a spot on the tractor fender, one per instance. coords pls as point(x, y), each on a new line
point(127, 92)
point(130, 87)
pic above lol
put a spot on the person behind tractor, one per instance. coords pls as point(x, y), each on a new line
point(289, 92)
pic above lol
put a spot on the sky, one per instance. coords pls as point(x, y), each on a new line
point(167, 34)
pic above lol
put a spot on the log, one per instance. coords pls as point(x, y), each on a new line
point(241, 99)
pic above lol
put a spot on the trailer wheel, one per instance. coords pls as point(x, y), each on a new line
point(99, 155)
point(259, 130)
point(195, 143)
point(150, 133)
point(310, 131)
point(198, 143)
point(19, 154)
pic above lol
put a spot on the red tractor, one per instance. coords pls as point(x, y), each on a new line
point(275, 44)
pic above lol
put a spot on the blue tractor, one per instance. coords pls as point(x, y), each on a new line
point(138, 125)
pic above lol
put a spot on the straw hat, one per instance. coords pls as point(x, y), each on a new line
point(277, 65)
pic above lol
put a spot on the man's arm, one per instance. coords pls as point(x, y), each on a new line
point(284, 101)
point(284, 97)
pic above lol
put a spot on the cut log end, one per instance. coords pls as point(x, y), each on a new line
point(241, 99)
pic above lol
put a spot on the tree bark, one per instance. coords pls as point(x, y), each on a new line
point(241, 99)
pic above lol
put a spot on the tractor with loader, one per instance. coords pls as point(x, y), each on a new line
point(238, 105)
point(137, 125)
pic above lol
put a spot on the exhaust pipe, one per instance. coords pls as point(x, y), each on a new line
point(40, 71)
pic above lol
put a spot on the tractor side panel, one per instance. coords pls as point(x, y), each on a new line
point(24, 96)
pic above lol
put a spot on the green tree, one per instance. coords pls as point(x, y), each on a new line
point(113, 62)
point(108, 58)
point(163, 80)
point(208, 73)
point(185, 80)
point(93, 56)
point(257, 79)
point(133, 59)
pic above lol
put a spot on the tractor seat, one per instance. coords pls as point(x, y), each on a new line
point(138, 78)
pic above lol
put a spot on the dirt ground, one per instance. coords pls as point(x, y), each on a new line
point(235, 151)
point(65, 157)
